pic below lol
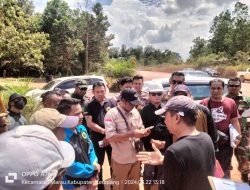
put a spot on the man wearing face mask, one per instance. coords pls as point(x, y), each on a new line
point(16, 104)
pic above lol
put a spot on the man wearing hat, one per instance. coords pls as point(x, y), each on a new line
point(81, 87)
point(159, 132)
point(185, 164)
point(53, 120)
point(123, 129)
point(15, 106)
point(32, 157)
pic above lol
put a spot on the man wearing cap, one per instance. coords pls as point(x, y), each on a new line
point(84, 170)
point(81, 87)
point(53, 120)
point(33, 159)
point(151, 174)
point(15, 105)
point(123, 129)
point(185, 164)
point(241, 151)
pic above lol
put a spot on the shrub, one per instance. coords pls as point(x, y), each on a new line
point(117, 68)
point(20, 87)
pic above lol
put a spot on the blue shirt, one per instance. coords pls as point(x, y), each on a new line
point(80, 168)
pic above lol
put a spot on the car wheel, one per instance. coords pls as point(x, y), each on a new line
point(242, 79)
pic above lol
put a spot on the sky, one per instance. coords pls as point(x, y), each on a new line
point(164, 24)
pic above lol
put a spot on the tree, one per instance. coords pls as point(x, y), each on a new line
point(199, 48)
point(240, 34)
point(220, 29)
point(20, 45)
point(59, 22)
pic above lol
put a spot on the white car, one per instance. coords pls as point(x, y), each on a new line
point(199, 86)
point(67, 83)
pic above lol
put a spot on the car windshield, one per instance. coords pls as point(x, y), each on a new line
point(50, 84)
point(195, 74)
point(199, 91)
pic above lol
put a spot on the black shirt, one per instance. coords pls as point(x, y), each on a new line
point(159, 132)
point(98, 112)
point(188, 162)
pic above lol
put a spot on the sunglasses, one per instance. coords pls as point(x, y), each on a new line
point(156, 93)
point(83, 89)
point(176, 82)
point(236, 86)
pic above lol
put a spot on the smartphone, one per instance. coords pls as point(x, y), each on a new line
point(151, 127)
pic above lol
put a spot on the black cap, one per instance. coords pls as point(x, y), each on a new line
point(15, 96)
point(131, 96)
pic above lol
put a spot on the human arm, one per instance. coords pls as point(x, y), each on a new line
point(152, 158)
point(236, 124)
point(92, 125)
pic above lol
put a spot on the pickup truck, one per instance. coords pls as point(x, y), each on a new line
point(244, 75)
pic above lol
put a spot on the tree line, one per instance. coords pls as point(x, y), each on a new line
point(60, 40)
point(145, 56)
point(229, 43)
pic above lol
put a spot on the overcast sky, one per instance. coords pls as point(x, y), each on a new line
point(164, 24)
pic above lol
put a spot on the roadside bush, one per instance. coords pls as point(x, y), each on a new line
point(20, 87)
point(117, 68)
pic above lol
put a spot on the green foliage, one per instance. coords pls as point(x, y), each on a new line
point(118, 68)
point(20, 45)
point(78, 38)
point(146, 56)
point(20, 87)
point(230, 39)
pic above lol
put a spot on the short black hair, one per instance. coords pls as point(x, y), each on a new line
point(176, 73)
point(47, 95)
point(234, 79)
point(137, 77)
point(125, 80)
point(64, 106)
point(98, 84)
point(217, 80)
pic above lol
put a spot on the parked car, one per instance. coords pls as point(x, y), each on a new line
point(244, 75)
point(199, 86)
point(194, 73)
point(67, 83)
point(212, 72)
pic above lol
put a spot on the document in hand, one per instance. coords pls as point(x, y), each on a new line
point(233, 135)
point(226, 184)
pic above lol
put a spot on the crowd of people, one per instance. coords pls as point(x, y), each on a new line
point(173, 139)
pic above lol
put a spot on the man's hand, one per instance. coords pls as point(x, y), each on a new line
point(97, 167)
point(105, 142)
point(158, 144)
point(152, 158)
point(139, 133)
